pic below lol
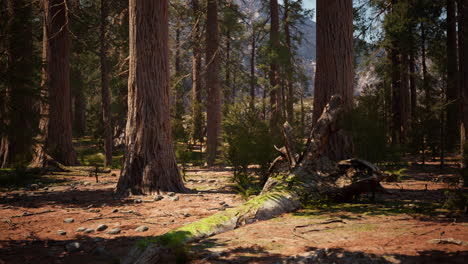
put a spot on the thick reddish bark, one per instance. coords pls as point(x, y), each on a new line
point(335, 65)
point(55, 124)
point(150, 165)
point(213, 95)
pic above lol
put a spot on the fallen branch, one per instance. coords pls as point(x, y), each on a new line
point(30, 214)
point(110, 217)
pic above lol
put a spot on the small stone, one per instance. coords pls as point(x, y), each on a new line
point(222, 203)
point(142, 228)
point(225, 205)
point(90, 206)
point(211, 181)
point(186, 214)
point(86, 183)
point(175, 198)
point(94, 210)
point(68, 220)
point(89, 230)
point(101, 227)
point(171, 194)
point(45, 188)
point(114, 175)
point(81, 229)
point(98, 239)
point(158, 197)
point(73, 246)
point(115, 210)
point(61, 232)
point(113, 231)
point(138, 201)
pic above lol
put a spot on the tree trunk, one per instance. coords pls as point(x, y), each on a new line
point(150, 165)
point(412, 84)
point(79, 118)
point(463, 70)
point(197, 115)
point(289, 67)
point(452, 122)
point(275, 97)
point(404, 96)
point(227, 90)
point(312, 178)
point(252, 70)
point(213, 103)
point(335, 69)
point(56, 131)
point(19, 98)
point(105, 97)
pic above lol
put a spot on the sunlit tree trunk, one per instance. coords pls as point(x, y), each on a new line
point(197, 115)
point(335, 65)
point(150, 165)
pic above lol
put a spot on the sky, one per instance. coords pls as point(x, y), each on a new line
point(309, 4)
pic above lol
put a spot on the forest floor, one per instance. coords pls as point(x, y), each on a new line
point(39, 222)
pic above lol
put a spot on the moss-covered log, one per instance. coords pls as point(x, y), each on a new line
point(313, 177)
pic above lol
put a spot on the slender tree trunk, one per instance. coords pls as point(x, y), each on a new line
point(404, 96)
point(56, 130)
point(412, 84)
point(335, 65)
point(150, 165)
point(179, 93)
point(275, 96)
point(213, 104)
point(289, 68)
point(463, 70)
point(197, 115)
point(452, 122)
point(252, 70)
point(79, 118)
point(227, 90)
point(105, 97)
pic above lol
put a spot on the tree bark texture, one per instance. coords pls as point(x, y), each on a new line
point(463, 72)
point(289, 68)
point(335, 65)
point(150, 165)
point(56, 130)
point(213, 95)
point(105, 96)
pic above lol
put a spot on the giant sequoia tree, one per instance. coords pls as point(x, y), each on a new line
point(335, 56)
point(55, 140)
point(150, 164)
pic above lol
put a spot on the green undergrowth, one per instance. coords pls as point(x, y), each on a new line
point(91, 154)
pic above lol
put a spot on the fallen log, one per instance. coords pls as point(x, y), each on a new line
point(313, 176)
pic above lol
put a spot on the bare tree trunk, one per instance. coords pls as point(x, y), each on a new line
point(404, 96)
point(275, 97)
point(55, 124)
point(213, 103)
point(252, 70)
point(197, 115)
point(150, 165)
point(463, 70)
point(227, 91)
point(289, 68)
point(105, 97)
point(335, 65)
point(452, 122)
point(412, 84)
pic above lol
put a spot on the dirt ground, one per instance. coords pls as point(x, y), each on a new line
point(406, 226)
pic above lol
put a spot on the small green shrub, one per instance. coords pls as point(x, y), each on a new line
point(248, 140)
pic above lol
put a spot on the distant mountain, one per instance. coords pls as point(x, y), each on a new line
point(306, 49)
